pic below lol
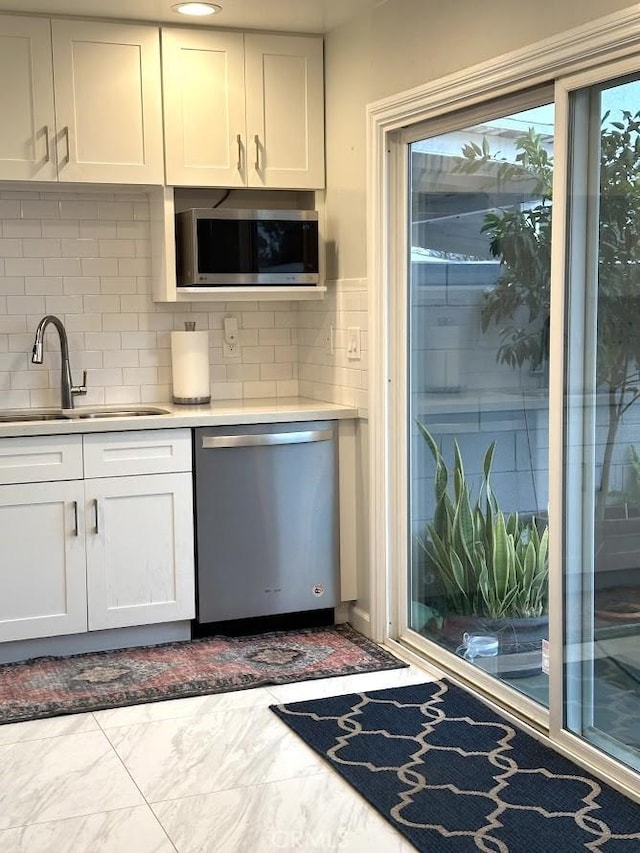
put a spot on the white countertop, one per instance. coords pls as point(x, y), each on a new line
point(219, 413)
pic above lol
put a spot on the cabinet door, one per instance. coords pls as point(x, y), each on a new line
point(140, 560)
point(26, 100)
point(108, 102)
point(42, 571)
point(285, 111)
point(204, 122)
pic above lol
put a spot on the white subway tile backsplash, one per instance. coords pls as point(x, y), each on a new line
point(122, 358)
point(258, 355)
point(80, 210)
point(21, 228)
point(276, 371)
point(86, 257)
point(238, 372)
point(21, 379)
point(39, 209)
point(259, 389)
point(104, 341)
point(98, 229)
point(99, 266)
point(136, 304)
point(120, 322)
point(9, 209)
point(80, 247)
point(115, 210)
point(133, 266)
point(25, 305)
point(83, 322)
point(257, 319)
point(10, 247)
point(11, 285)
point(42, 248)
point(23, 266)
point(62, 266)
point(119, 284)
point(102, 304)
point(60, 228)
point(117, 248)
point(42, 285)
point(139, 340)
point(83, 285)
point(140, 375)
point(274, 336)
point(63, 305)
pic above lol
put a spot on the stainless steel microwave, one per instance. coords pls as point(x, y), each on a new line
point(229, 248)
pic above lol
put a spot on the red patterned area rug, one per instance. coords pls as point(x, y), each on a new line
point(51, 686)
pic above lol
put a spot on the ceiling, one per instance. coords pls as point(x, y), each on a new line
point(304, 16)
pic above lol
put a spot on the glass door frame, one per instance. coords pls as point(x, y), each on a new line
point(572, 62)
point(399, 196)
point(568, 252)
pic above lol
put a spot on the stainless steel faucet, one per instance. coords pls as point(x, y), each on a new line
point(67, 389)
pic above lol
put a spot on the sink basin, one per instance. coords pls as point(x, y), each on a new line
point(120, 412)
point(35, 415)
point(30, 417)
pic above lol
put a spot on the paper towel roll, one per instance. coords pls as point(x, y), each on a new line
point(190, 367)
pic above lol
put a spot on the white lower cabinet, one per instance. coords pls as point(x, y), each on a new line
point(103, 552)
point(43, 565)
point(139, 550)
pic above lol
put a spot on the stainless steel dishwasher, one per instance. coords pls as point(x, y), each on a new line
point(266, 519)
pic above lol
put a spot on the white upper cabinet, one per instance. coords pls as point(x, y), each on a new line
point(107, 123)
point(27, 122)
point(108, 102)
point(203, 77)
point(285, 111)
point(243, 110)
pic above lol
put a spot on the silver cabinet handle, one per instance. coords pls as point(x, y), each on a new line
point(65, 133)
point(256, 139)
point(95, 515)
point(75, 519)
point(212, 441)
point(47, 152)
point(239, 141)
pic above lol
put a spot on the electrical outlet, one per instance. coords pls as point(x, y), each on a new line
point(353, 343)
point(328, 340)
point(230, 345)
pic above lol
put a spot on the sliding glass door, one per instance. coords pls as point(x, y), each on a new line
point(478, 368)
point(602, 420)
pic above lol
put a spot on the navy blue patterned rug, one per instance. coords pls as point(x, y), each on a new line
point(452, 775)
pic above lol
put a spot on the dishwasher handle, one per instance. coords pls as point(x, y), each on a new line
point(210, 442)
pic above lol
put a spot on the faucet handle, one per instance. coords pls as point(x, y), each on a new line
point(80, 389)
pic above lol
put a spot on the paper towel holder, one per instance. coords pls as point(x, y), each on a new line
point(192, 359)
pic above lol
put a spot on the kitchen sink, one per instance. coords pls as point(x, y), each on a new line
point(27, 416)
point(118, 413)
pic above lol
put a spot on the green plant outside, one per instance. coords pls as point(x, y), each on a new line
point(487, 563)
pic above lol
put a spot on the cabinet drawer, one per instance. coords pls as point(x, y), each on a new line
point(39, 459)
point(160, 451)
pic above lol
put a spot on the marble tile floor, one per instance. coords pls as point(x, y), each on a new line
point(212, 773)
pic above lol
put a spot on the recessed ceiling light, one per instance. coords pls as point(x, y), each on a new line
point(197, 9)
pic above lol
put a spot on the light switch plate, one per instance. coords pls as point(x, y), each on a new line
point(353, 343)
